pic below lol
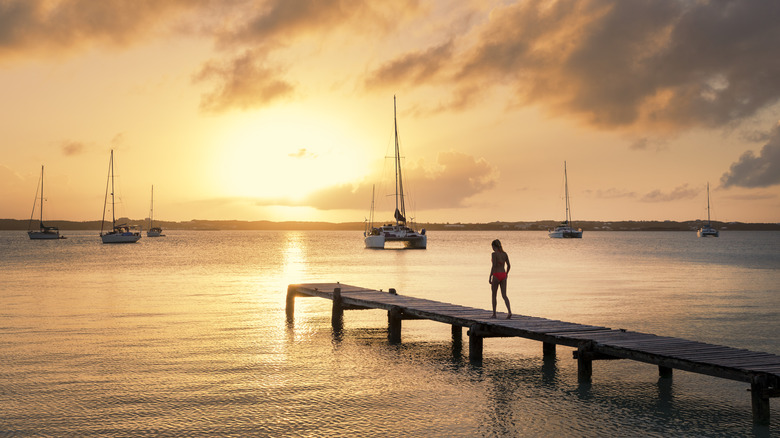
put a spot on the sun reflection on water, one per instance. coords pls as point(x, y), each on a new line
point(294, 254)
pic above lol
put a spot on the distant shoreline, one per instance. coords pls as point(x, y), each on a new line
point(214, 225)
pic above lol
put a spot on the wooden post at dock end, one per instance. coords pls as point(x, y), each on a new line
point(665, 372)
point(475, 344)
point(760, 399)
point(584, 362)
point(548, 349)
point(290, 307)
point(337, 314)
point(394, 318)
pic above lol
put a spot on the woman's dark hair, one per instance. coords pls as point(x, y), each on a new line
point(497, 244)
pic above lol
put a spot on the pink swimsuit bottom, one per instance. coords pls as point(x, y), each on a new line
point(500, 276)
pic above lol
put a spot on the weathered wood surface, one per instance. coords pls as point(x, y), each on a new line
point(717, 360)
point(761, 370)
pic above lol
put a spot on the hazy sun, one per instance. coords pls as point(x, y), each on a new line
point(286, 155)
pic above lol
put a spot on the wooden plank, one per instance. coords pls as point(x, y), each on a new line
point(670, 352)
point(746, 361)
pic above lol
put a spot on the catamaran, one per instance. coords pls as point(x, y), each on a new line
point(565, 230)
point(707, 230)
point(375, 237)
point(43, 232)
point(153, 231)
point(120, 233)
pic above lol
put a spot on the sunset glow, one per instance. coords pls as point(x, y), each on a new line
point(283, 110)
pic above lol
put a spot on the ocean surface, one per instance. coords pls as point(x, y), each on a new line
point(186, 335)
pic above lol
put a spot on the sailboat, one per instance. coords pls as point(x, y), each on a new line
point(565, 229)
point(153, 231)
point(120, 233)
point(707, 230)
point(43, 232)
point(376, 237)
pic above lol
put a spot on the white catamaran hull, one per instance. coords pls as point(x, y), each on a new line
point(376, 237)
point(565, 233)
point(411, 240)
point(121, 238)
point(707, 232)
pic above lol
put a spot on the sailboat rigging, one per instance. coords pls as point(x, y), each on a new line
point(153, 231)
point(376, 237)
point(43, 232)
point(707, 230)
point(120, 233)
point(565, 230)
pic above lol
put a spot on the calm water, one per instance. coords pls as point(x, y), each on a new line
point(186, 335)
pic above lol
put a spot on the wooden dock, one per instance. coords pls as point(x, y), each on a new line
point(760, 370)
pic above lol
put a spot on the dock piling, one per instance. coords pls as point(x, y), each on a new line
point(760, 399)
point(457, 334)
point(394, 318)
point(475, 343)
point(760, 370)
point(290, 306)
point(584, 355)
point(337, 313)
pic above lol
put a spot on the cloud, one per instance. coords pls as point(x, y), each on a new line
point(244, 82)
point(450, 183)
point(762, 170)
point(412, 67)
point(457, 178)
point(646, 143)
point(611, 193)
point(60, 27)
point(261, 29)
point(752, 196)
point(278, 22)
point(301, 153)
point(680, 192)
point(665, 65)
point(70, 148)
point(661, 64)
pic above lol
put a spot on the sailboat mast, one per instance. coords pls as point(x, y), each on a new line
point(41, 220)
point(113, 210)
point(566, 191)
point(109, 179)
point(371, 214)
point(399, 194)
point(151, 210)
point(708, 204)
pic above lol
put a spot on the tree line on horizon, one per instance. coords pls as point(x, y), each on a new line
point(19, 224)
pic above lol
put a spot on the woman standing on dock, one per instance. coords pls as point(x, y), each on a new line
point(498, 276)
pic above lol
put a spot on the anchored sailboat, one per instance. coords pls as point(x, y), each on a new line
point(120, 233)
point(153, 231)
point(565, 229)
point(376, 237)
point(43, 232)
point(707, 230)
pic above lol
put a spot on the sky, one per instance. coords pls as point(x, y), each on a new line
point(283, 110)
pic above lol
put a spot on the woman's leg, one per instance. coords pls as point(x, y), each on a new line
point(494, 289)
point(506, 299)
